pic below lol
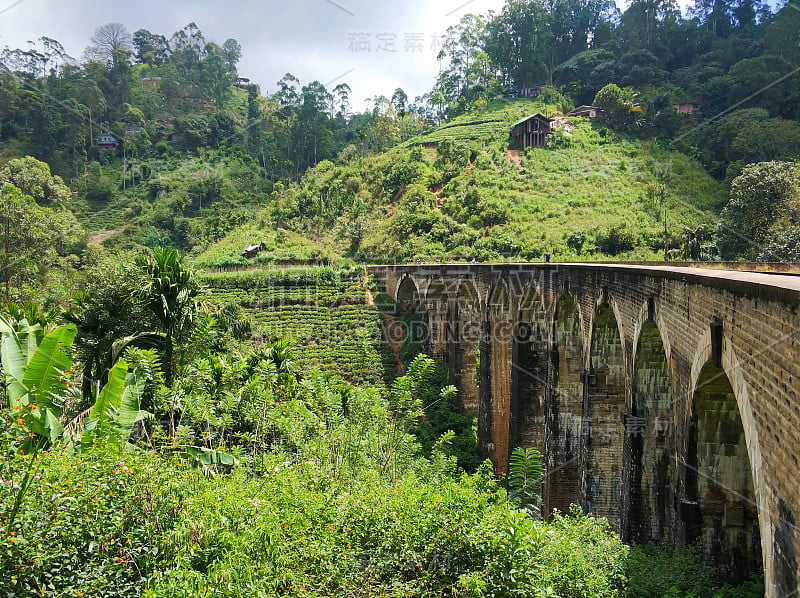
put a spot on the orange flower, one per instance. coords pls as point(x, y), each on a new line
point(20, 422)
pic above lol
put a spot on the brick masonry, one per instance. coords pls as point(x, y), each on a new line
point(662, 398)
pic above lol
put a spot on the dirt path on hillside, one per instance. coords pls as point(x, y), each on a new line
point(514, 155)
point(437, 191)
point(103, 235)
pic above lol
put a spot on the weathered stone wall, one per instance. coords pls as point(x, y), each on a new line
point(605, 368)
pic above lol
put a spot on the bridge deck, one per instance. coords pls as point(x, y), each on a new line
point(778, 286)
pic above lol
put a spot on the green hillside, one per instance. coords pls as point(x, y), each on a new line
point(178, 419)
point(462, 191)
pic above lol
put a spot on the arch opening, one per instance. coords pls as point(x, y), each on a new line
point(407, 296)
point(466, 334)
point(408, 331)
point(719, 480)
point(605, 423)
point(494, 413)
point(651, 432)
point(529, 375)
point(436, 312)
point(564, 409)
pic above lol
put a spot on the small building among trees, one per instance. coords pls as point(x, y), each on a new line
point(531, 131)
point(585, 112)
point(252, 250)
point(106, 142)
point(685, 107)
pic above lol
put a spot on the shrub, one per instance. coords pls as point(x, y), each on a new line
point(615, 240)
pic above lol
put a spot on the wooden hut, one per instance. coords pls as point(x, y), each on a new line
point(252, 250)
point(106, 142)
point(531, 131)
point(585, 112)
point(685, 107)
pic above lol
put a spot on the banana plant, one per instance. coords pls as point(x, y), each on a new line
point(116, 409)
point(35, 366)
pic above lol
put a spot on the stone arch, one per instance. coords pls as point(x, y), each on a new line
point(498, 307)
point(436, 307)
point(529, 374)
point(494, 412)
point(728, 380)
point(604, 427)
point(407, 296)
point(564, 408)
point(719, 479)
point(650, 430)
point(466, 335)
point(408, 330)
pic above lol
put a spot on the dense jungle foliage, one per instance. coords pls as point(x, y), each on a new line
point(206, 163)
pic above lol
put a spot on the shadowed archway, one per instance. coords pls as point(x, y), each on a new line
point(494, 412)
point(564, 409)
point(651, 432)
point(529, 374)
point(605, 426)
point(436, 310)
point(466, 335)
point(408, 332)
point(719, 480)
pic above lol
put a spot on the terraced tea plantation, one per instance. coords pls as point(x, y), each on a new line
point(474, 130)
point(324, 311)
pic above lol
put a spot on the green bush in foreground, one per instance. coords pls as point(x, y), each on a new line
point(140, 524)
point(333, 497)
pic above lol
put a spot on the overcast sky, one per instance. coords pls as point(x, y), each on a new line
point(373, 46)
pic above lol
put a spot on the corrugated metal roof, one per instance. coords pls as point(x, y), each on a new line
point(522, 120)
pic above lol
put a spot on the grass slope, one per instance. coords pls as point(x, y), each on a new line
point(593, 193)
point(597, 194)
point(491, 124)
point(462, 191)
point(282, 247)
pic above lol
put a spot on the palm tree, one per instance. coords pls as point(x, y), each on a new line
point(170, 291)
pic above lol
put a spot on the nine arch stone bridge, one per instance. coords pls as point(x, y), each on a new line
point(662, 398)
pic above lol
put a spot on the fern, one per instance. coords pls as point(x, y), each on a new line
point(525, 475)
